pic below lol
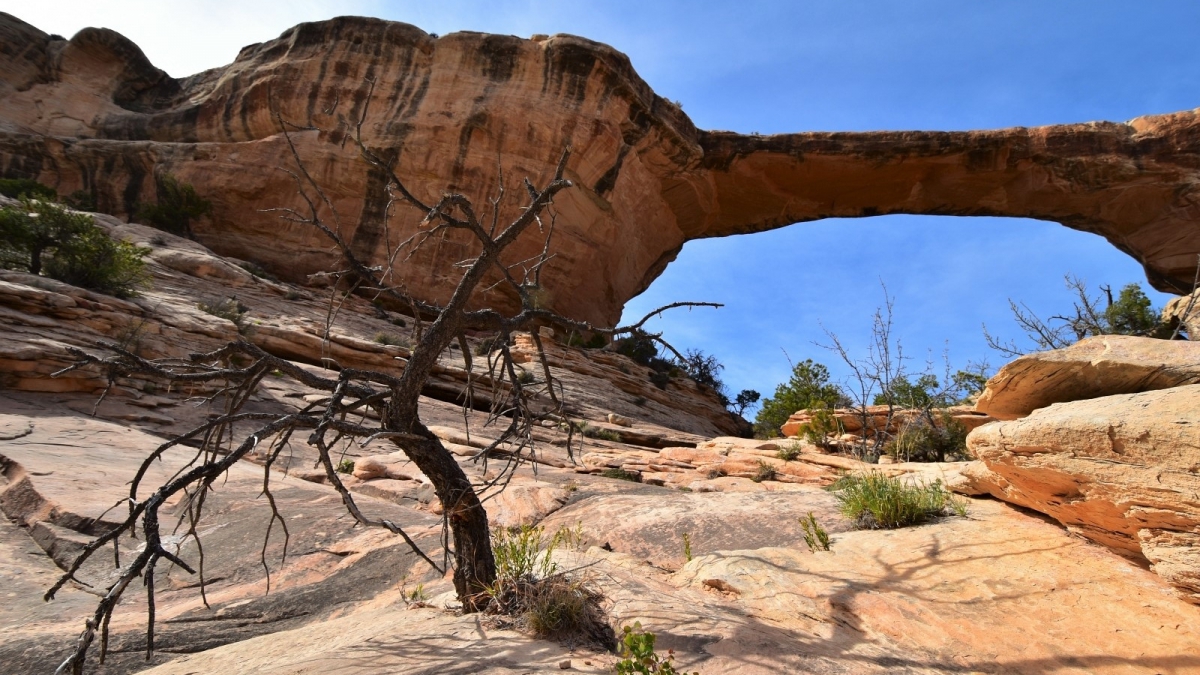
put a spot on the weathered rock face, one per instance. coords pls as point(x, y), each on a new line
point(456, 112)
point(1090, 368)
point(1120, 470)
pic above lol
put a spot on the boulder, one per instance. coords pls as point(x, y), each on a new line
point(1091, 368)
point(1123, 471)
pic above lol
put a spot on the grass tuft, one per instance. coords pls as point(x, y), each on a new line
point(875, 501)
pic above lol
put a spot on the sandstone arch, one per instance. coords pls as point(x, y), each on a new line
point(94, 113)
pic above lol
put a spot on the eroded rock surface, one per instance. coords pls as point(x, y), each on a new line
point(453, 112)
point(1122, 470)
point(1091, 368)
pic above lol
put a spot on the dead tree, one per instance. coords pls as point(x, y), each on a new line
point(359, 405)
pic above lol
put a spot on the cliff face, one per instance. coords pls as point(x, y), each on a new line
point(468, 112)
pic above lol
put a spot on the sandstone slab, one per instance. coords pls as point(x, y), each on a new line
point(1123, 471)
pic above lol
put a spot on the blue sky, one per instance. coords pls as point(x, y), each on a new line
point(773, 67)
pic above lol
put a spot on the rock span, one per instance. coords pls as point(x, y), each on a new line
point(468, 111)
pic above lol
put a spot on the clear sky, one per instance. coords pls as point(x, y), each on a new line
point(783, 66)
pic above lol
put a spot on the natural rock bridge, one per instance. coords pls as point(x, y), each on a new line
point(453, 112)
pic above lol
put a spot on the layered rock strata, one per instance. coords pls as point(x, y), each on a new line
point(469, 112)
point(1091, 368)
point(1122, 470)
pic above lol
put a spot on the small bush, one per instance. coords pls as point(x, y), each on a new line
point(687, 546)
point(390, 340)
point(875, 501)
point(822, 424)
point(230, 309)
point(920, 441)
point(178, 205)
point(345, 466)
point(600, 433)
point(39, 236)
point(622, 474)
point(257, 271)
point(715, 472)
point(596, 341)
point(765, 471)
point(660, 378)
point(17, 188)
point(815, 536)
point(81, 200)
point(638, 656)
point(525, 376)
point(488, 345)
point(789, 452)
point(530, 589)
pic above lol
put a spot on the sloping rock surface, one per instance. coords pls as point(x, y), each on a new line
point(1121, 470)
point(467, 112)
point(1091, 368)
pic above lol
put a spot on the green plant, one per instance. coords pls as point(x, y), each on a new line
point(815, 536)
point(764, 471)
point(178, 205)
point(959, 505)
point(596, 341)
point(876, 501)
point(822, 425)
point(638, 656)
point(345, 466)
point(687, 546)
point(230, 309)
point(525, 376)
point(489, 345)
point(81, 200)
point(921, 440)
point(599, 433)
point(257, 271)
point(43, 237)
point(807, 388)
point(27, 187)
point(390, 340)
point(529, 587)
point(622, 474)
point(789, 452)
point(744, 399)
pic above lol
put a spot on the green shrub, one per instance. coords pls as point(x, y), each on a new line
point(178, 205)
point(921, 441)
point(622, 474)
point(808, 388)
point(687, 546)
point(765, 471)
point(815, 536)
point(345, 466)
point(390, 340)
point(596, 341)
point(530, 588)
point(489, 345)
point(27, 187)
point(525, 376)
point(230, 309)
point(875, 501)
point(638, 656)
point(822, 425)
point(600, 433)
point(789, 452)
point(38, 236)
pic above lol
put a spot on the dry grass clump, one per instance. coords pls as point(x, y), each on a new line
point(532, 594)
